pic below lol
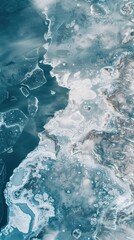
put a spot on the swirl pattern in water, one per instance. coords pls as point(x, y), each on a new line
point(67, 120)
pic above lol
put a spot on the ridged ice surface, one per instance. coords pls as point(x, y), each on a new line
point(79, 182)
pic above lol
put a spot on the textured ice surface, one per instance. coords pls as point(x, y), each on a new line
point(79, 182)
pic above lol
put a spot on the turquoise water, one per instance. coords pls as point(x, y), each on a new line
point(67, 120)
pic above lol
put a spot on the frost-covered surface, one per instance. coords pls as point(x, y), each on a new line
point(79, 182)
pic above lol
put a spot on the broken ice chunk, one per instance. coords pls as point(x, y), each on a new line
point(24, 91)
point(14, 117)
point(32, 106)
point(36, 80)
point(12, 124)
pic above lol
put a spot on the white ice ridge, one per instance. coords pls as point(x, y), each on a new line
point(81, 183)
